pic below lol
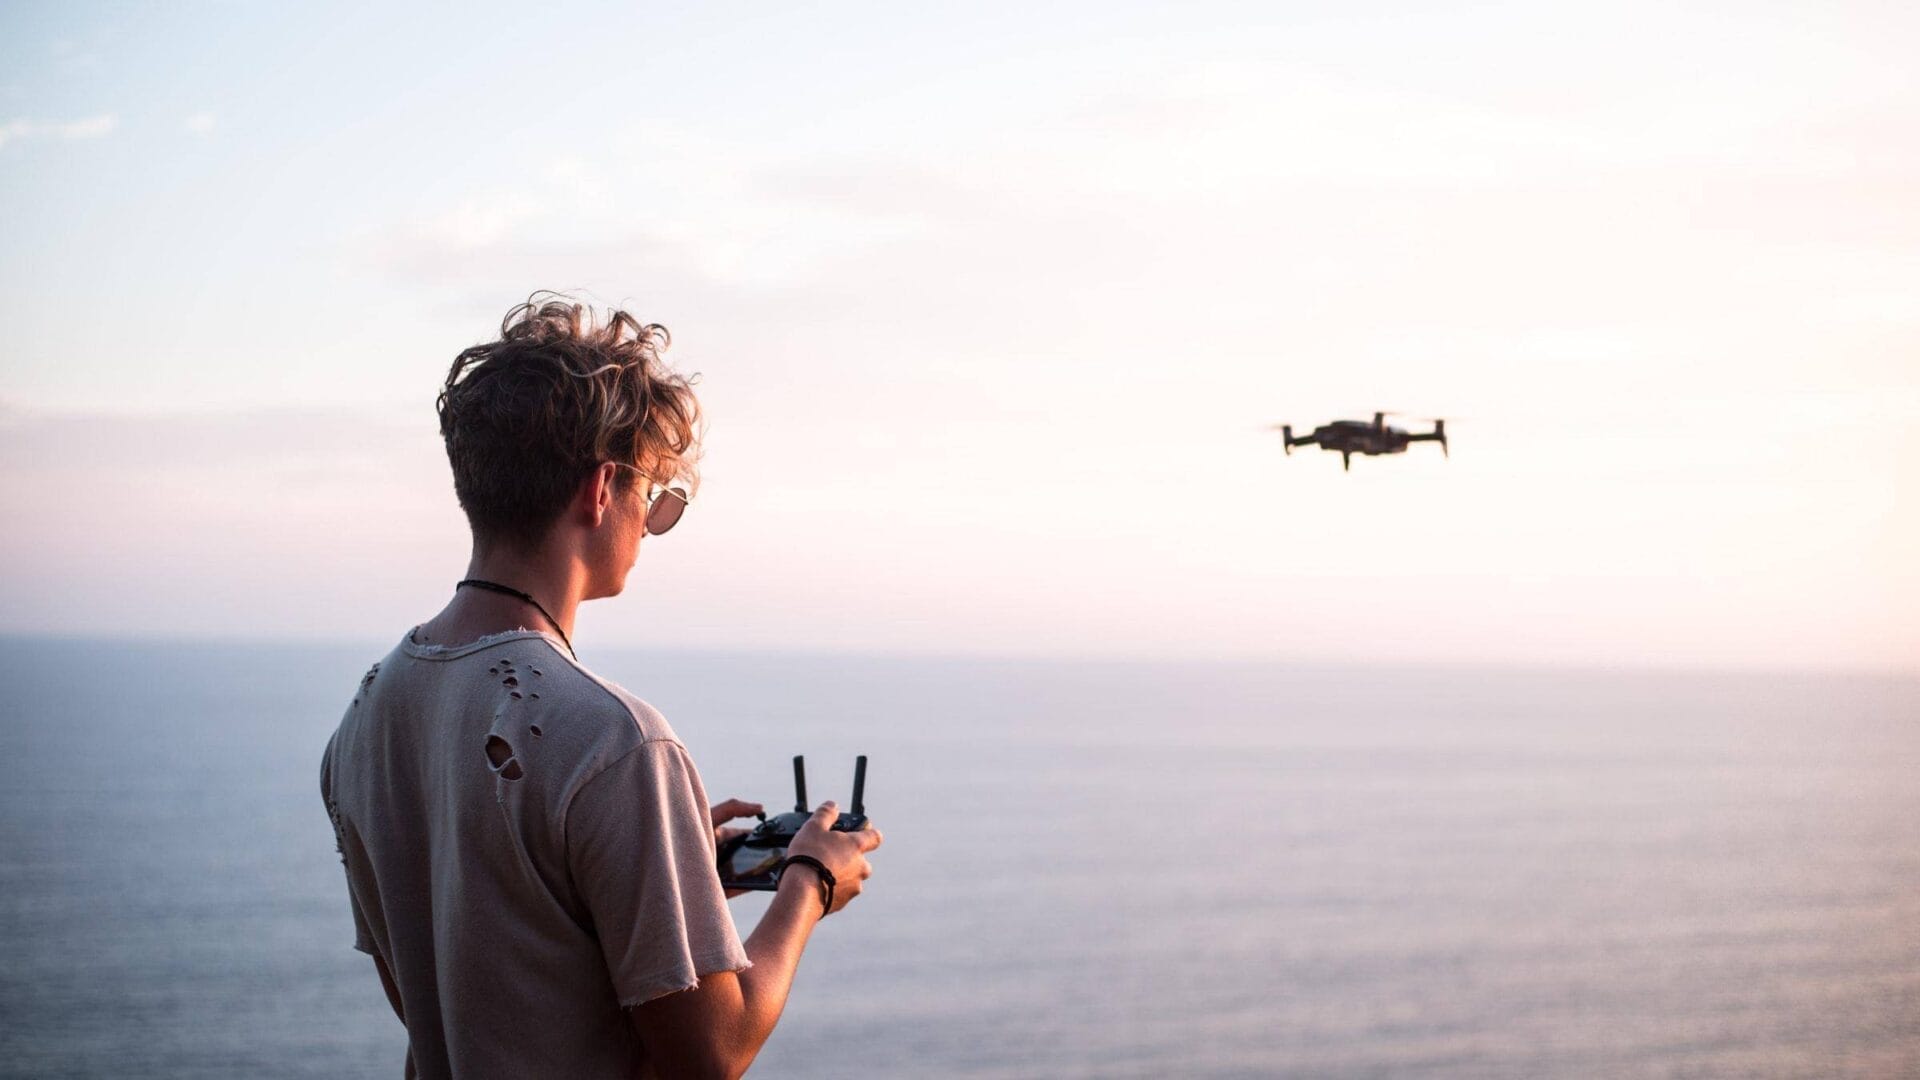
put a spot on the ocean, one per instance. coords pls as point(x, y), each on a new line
point(1091, 869)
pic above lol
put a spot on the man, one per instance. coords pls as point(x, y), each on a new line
point(530, 857)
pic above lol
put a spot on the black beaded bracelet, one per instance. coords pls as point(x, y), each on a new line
point(818, 867)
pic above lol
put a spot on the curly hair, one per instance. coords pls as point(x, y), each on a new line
point(528, 417)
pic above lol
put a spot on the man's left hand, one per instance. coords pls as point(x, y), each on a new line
point(732, 810)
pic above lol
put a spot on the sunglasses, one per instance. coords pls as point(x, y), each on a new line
point(664, 504)
point(664, 507)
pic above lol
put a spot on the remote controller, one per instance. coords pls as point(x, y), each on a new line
point(751, 861)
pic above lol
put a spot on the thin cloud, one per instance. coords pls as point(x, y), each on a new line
point(90, 127)
point(200, 123)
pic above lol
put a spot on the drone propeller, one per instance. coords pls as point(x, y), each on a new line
point(1286, 435)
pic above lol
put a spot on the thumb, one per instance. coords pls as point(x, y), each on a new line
point(826, 815)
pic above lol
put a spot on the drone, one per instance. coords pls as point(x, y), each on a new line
point(1351, 437)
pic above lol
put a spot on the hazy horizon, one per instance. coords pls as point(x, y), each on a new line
point(595, 653)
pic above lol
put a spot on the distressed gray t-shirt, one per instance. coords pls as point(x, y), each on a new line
point(528, 847)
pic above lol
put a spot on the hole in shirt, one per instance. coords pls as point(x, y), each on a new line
point(535, 729)
point(536, 671)
point(509, 681)
point(500, 756)
point(515, 695)
point(498, 752)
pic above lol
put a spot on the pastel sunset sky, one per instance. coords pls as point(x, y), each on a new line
point(992, 306)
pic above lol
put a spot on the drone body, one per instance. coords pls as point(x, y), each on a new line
point(1350, 437)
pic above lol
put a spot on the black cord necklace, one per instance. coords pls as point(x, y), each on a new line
point(491, 586)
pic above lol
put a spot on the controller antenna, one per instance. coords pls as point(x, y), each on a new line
point(860, 785)
point(800, 783)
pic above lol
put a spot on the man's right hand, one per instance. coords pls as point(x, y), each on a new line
point(716, 1027)
point(844, 853)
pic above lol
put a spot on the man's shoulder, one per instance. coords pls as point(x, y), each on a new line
point(612, 704)
point(599, 724)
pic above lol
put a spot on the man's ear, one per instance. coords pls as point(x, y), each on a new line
point(598, 490)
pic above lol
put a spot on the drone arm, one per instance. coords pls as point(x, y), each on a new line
point(1438, 434)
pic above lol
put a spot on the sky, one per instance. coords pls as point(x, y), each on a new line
point(993, 308)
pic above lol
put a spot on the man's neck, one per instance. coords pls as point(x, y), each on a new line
point(557, 584)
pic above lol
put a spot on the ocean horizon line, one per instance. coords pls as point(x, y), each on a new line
point(1235, 660)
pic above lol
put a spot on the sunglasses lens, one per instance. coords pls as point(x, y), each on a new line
point(666, 510)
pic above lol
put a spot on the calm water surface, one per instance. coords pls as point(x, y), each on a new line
point(1107, 870)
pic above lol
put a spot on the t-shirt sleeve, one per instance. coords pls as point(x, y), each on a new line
point(362, 933)
point(640, 848)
